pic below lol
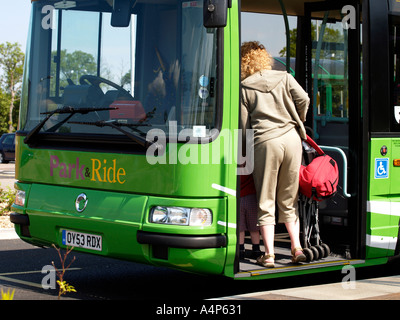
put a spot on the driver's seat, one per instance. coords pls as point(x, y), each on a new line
point(109, 98)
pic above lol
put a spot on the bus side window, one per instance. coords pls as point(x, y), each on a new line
point(395, 62)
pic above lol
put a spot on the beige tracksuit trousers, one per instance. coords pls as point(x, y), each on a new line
point(276, 177)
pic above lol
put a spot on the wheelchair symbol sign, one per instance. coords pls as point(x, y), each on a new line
point(382, 168)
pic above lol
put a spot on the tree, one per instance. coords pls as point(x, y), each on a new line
point(293, 40)
point(12, 62)
point(331, 35)
point(126, 79)
point(4, 102)
point(72, 67)
point(76, 64)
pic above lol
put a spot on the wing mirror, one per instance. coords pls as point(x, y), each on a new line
point(215, 13)
point(121, 13)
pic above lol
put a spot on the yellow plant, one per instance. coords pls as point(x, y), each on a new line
point(64, 287)
point(7, 295)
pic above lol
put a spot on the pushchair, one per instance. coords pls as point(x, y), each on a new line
point(313, 246)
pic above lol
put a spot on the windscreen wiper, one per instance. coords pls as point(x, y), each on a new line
point(65, 110)
point(117, 126)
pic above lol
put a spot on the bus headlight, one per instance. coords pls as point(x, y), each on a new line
point(20, 198)
point(181, 216)
point(200, 217)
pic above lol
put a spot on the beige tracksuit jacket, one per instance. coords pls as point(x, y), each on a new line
point(273, 104)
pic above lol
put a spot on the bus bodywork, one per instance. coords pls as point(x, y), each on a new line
point(127, 144)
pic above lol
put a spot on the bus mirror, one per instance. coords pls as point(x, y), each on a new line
point(121, 13)
point(215, 13)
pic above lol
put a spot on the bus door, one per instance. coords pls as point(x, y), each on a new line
point(325, 59)
point(329, 69)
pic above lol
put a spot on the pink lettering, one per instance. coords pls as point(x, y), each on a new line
point(70, 167)
point(65, 170)
point(79, 170)
point(54, 161)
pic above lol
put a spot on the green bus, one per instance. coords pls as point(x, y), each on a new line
point(127, 145)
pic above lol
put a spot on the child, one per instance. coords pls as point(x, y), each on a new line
point(248, 216)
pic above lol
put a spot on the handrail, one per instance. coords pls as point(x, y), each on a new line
point(285, 18)
point(329, 148)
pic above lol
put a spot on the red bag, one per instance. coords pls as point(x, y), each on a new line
point(319, 179)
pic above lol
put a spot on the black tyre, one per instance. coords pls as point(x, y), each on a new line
point(309, 254)
point(315, 252)
point(327, 249)
point(321, 251)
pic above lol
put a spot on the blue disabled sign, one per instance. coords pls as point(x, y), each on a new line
point(382, 168)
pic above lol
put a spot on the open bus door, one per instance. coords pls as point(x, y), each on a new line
point(328, 67)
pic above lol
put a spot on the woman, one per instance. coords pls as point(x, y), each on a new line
point(274, 105)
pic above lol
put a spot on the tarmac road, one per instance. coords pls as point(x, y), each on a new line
point(98, 278)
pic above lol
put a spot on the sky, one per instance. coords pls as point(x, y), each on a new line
point(14, 21)
point(267, 29)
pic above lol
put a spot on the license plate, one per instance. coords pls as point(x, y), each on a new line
point(81, 240)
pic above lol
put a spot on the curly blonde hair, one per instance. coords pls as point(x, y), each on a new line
point(254, 58)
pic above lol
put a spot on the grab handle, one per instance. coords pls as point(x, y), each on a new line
point(341, 152)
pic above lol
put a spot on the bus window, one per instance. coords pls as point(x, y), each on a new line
point(329, 51)
point(141, 77)
point(74, 51)
point(395, 67)
point(115, 59)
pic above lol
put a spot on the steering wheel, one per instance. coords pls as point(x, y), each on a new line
point(95, 82)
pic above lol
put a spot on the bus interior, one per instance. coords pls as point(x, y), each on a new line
point(313, 37)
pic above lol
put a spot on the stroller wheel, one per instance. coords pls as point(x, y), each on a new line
point(315, 252)
point(326, 248)
point(309, 254)
point(321, 251)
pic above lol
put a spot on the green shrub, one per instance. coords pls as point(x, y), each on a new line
point(7, 198)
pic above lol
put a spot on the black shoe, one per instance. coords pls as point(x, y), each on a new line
point(256, 253)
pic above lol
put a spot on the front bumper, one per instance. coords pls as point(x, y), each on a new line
point(182, 241)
